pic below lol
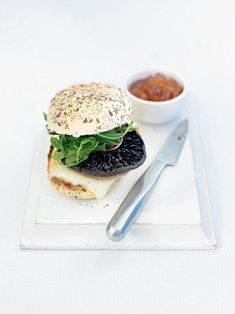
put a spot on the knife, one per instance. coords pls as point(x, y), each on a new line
point(135, 200)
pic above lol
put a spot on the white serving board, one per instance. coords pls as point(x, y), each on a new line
point(177, 216)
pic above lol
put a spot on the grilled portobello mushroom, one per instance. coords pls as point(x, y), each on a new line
point(128, 156)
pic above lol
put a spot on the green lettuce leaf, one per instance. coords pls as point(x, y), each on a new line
point(73, 150)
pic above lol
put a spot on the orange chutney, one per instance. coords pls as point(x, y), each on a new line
point(158, 87)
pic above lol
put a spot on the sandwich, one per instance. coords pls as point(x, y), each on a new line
point(93, 139)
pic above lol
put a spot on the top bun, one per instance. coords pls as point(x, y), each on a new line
point(87, 109)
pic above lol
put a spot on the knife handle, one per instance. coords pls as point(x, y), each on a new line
point(135, 200)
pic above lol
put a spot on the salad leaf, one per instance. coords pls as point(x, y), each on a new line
point(71, 151)
point(45, 119)
point(45, 116)
point(55, 142)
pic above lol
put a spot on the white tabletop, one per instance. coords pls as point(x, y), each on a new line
point(46, 46)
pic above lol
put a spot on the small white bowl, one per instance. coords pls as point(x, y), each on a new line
point(156, 111)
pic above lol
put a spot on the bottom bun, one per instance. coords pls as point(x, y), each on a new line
point(74, 184)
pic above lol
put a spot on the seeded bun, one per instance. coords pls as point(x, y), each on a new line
point(87, 109)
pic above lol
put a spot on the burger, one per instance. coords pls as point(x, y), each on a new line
point(93, 139)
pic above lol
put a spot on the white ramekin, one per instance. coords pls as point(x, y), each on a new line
point(156, 111)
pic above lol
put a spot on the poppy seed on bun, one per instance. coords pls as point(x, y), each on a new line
point(87, 109)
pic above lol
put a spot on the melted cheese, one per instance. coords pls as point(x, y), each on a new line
point(99, 187)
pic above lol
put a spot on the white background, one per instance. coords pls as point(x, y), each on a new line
point(47, 45)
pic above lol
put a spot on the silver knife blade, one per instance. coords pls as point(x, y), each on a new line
point(171, 149)
point(134, 202)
